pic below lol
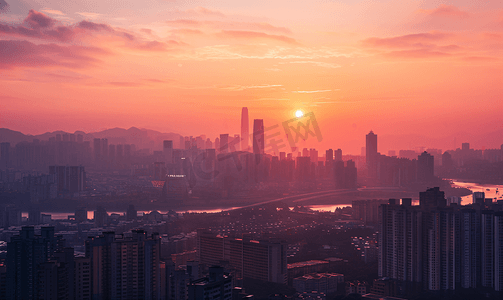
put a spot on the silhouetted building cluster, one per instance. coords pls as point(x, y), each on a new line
point(262, 260)
point(345, 175)
point(367, 210)
point(115, 266)
point(435, 246)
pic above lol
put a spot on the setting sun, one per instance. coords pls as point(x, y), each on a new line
point(299, 113)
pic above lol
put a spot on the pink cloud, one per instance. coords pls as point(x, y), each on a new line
point(187, 31)
point(94, 26)
point(207, 11)
point(146, 30)
point(4, 6)
point(229, 25)
point(256, 35)
point(416, 53)
point(409, 40)
point(445, 11)
point(37, 19)
point(26, 54)
point(480, 58)
point(38, 25)
point(184, 23)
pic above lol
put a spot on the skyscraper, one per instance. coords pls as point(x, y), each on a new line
point(125, 266)
point(371, 154)
point(329, 156)
point(5, 155)
point(258, 136)
point(69, 179)
point(245, 132)
point(168, 151)
point(104, 148)
point(439, 247)
point(25, 253)
point(425, 167)
point(224, 143)
point(263, 260)
point(236, 145)
point(97, 150)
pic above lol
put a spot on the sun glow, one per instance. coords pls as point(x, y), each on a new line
point(299, 113)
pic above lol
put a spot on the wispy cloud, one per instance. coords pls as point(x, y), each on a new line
point(228, 25)
point(90, 15)
point(312, 92)
point(53, 12)
point(409, 40)
point(261, 51)
point(318, 64)
point(445, 10)
point(416, 53)
point(246, 87)
point(26, 54)
point(248, 35)
point(208, 12)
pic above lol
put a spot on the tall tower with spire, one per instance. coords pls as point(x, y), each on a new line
point(245, 133)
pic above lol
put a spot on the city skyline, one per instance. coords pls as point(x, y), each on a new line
point(431, 68)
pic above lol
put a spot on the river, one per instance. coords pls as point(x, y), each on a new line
point(491, 191)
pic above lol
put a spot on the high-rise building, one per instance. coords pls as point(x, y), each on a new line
point(69, 179)
point(209, 144)
point(245, 133)
point(100, 216)
point(437, 247)
point(82, 278)
point(119, 152)
point(304, 168)
point(97, 150)
point(4, 155)
point(337, 154)
point(56, 277)
point(25, 253)
point(125, 266)
point(236, 143)
point(167, 147)
point(127, 151)
point(258, 136)
point(224, 143)
point(131, 213)
point(350, 180)
point(339, 174)
point(371, 154)
point(80, 214)
point(313, 154)
point(425, 167)
point(329, 156)
point(111, 153)
point(263, 260)
point(104, 149)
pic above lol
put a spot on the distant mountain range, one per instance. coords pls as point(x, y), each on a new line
point(142, 138)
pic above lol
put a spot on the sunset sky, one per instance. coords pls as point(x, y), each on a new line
point(431, 68)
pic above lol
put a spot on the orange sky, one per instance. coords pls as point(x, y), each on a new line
point(431, 68)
